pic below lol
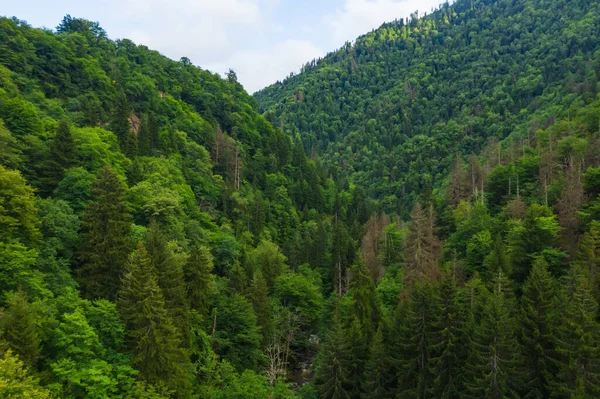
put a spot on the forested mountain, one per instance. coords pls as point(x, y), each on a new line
point(417, 215)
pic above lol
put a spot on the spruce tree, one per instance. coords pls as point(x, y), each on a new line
point(451, 341)
point(357, 341)
point(169, 270)
point(199, 280)
point(494, 364)
point(578, 344)
point(538, 328)
point(417, 334)
point(364, 302)
point(155, 341)
point(106, 239)
point(18, 323)
point(121, 127)
point(258, 292)
point(143, 138)
point(379, 378)
point(62, 154)
point(331, 376)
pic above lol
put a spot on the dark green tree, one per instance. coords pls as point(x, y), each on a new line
point(258, 292)
point(106, 239)
point(379, 378)
point(19, 328)
point(154, 340)
point(121, 126)
point(62, 154)
point(199, 280)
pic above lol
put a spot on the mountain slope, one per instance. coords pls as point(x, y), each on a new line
point(392, 109)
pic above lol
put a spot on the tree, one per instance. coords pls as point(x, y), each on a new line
point(379, 371)
point(258, 293)
point(18, 219)
point(62, 154)
point(144, 139)
point(422, 247)
point(106, 242)
point(18, 323)
point(156, 343)
point(331, 375)
point(169, 270)
point(199, 280)
point(539, 324)
point(121, 127)
point(15, 381)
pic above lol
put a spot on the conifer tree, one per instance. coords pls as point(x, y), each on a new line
point(364, 303)
point(578, 344)
point(199, 280)
point(379, 378)
point(121, 127)
point(538, 329)
point(153, 132)
point(417, 334)
point(106, 241)
point(169, 270)
point(155, 341)
point(331, 376)
point(494, 364)
point(357, 341)
point(62, 154)
point(422, 247)
point(143, 138)
point(258, 292)
point(18, 323)
point(588, 257)
point(451, 341)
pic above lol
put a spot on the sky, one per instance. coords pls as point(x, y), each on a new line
point(263, 41)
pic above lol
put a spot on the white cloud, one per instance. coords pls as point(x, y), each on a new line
point(358, 17)
point(259, 68)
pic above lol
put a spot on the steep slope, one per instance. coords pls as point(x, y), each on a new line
point(393, 109)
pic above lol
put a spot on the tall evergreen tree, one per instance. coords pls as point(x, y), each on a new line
point(258, 292)
point(538, 328)
point(494, 364)
point(578, 345)
point(62, 154)
point(121, 127)
point(153, 132)
point(451, 341)
point(156, 343)
point(332, 363)
point(417, 338)
point(364, 302)
point(106, 239)
point(199, 280)
point(143, 138)
point(379, 378)
point(169, 270)
point(19, 328)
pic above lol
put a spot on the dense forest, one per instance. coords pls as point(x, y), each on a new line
point(416, 215)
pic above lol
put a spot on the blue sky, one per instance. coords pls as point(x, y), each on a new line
point(262, 40)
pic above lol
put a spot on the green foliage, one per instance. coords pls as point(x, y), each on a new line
point(15, 381)
point(18, 322)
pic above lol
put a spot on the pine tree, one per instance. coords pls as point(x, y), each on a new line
point(494, 365)
point(19, 327)
point(357, 342)
point(451, 338)
point(417, 335)
point(169, 270)
point(155, 341)
point(106, 240)
point(379, 378)
point(538, 329)
point(199, 280)
point(588, 257)
point(364, 303)
point(331, 373)
point(578, 344)
point(258, 292)
point(121, 127)
point(62, 154)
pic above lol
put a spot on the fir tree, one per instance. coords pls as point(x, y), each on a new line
point(578, 344)
point(106, 240)
point(143, 138)
point(155, 341)
point(259, 296)
point(331, 372)
point(416, 344)
point(199, 280)
point(379, 371)
point(121, 127)
point(364, 303)
point(538, 329)
point(494, 366)
point(62, 154)
point(357, 342)
point(19, 326)
point(451, 341)
point(169, 270)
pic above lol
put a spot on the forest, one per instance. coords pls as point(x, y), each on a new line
point(415, 215)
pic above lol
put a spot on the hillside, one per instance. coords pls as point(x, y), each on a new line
point(414, 216)
point(392, 110)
